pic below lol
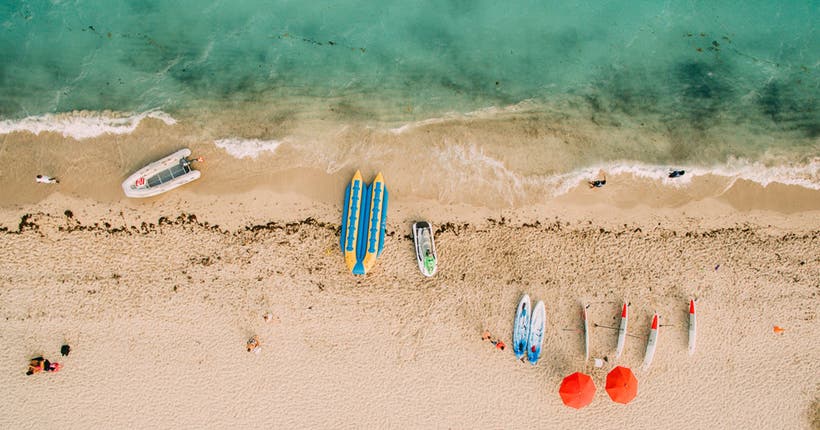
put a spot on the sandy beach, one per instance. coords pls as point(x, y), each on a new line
point(158, 297)
point(585, 154)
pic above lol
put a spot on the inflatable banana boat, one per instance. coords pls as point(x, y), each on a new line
point(363, 222)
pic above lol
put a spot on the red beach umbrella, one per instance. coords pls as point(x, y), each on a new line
point(621, 385)
point(577, 390)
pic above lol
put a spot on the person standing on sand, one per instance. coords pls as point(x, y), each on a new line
point(43, 179)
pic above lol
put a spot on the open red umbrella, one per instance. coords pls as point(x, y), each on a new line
point(621, 385)
point(577, 390)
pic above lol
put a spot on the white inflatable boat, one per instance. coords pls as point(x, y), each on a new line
point(161, 176)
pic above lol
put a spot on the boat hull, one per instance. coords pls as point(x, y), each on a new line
point(143, 182)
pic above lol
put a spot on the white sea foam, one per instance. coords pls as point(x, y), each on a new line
point(411, 125)
point(473, 171)
point(83, 124)
point(247, 148)
point(806, 175)
point(486, 112)
point(468, 171)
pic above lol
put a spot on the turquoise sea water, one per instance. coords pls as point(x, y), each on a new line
point(633, 55)
point(696, 72)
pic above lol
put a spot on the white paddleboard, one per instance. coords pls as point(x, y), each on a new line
point(692, 327)
point(651, 344)
point(586, 333)
point(536, 337)
point(622, 332)
point(521, 326)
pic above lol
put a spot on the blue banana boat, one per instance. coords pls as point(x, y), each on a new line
point(364, 217)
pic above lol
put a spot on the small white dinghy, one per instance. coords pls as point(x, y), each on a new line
point(425, 248)
point(161, 176)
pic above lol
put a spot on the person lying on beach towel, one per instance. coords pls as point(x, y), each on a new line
point(35, 365)
point(254, 345)
point(39, 364)
point(497, 342)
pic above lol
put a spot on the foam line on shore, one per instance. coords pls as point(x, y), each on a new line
point(806, 175)
point(83, 124)
point(246, 148)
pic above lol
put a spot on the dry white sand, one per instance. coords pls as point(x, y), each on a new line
point(158, 315)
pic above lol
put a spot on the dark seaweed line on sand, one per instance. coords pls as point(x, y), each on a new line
point(28, 223)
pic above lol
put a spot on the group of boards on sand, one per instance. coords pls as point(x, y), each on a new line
point(364, 213)
point(577, 390)
point(362, 233)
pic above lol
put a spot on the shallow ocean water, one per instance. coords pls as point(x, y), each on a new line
point(531, 90)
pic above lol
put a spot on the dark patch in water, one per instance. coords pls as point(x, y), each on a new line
point(699, 82)
point(621, 95)
point(142, 7)
point(701, 92)
point(785, 107)
point(770, 101)
point(346, 110)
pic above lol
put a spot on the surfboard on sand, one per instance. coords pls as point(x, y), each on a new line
point(692, 327)
point(521, 326)
point(651, 344)
point(622, 332)
point(536, 337)
point(586, 333)
point(425, 248)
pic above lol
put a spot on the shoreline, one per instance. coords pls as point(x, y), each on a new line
point(505, 158)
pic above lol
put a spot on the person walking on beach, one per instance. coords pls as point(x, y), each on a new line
point(598, 183)
point(43, 179)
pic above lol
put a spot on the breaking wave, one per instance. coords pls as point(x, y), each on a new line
point(83, 124)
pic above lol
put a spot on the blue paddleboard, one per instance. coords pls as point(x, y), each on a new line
point(536, 337)
point(521, 326)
